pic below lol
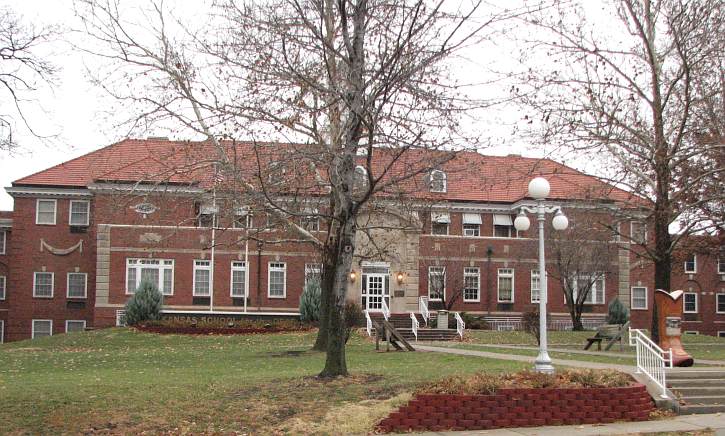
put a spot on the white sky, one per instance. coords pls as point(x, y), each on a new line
point(73, 110)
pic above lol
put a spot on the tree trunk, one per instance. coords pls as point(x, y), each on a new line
point(576, 319)
point(662, 263)
point(335, 363)
point(326, 295)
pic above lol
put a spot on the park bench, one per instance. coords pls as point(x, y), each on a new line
point(609, 332)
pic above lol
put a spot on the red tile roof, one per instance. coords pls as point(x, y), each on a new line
point(471, 176)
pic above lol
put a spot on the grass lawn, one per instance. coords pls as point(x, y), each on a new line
point(122, 381)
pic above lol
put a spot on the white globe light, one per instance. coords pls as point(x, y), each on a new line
point(522, 223)
point(539, 188)
point(560, 221)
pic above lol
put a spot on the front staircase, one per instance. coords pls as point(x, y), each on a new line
point(699, 391)
point(403, 324)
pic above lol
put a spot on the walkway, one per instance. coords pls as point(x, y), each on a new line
point(715, 421)
point(530, 359)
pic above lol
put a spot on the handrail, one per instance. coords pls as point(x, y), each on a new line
point(415, 325)
point(369, 323)
point(386, 310)
point(651, 359)
point(423, 308)
point(460, 325)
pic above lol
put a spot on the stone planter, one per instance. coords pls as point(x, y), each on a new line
point(521, 408)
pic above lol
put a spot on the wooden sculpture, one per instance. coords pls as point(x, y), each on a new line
point(669, 317)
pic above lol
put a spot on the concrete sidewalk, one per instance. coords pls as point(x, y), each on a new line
point(715, 422)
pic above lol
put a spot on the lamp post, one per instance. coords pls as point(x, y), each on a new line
point(538, 189)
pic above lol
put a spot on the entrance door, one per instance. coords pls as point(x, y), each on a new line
point(375, 287)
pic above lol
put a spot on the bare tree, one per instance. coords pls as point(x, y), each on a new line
point(631, 85)
point(22, 71)
point(583, 256)
point(357, 89)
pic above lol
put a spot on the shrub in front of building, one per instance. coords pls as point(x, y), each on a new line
point(617, 313)
point(310, 302)
point(144, 305)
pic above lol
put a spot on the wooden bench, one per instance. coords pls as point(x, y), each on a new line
point(609, 332)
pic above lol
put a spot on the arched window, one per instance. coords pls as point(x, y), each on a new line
point(360, 178)
point(438, 181)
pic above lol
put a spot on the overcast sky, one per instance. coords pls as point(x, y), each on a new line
point(73, 110)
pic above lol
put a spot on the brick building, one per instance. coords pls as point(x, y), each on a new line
point(83, 234)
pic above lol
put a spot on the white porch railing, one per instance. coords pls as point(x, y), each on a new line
point(423, 308)
point(651, 359)
point(414, 325)
point(369, 320)
point(460, 325)
point(386, 309)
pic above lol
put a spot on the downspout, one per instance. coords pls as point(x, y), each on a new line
point(246, 266)
point(213, 246)
point(259, 275)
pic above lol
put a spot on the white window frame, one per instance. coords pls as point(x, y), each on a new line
point(85, 285)
point(32, 328)
point(469, 272)
point(433, 180)
point(312, 268)
point(632, 238)
point(691, 332)
point(139, 263)
point(237, 266)
point(2, 331)
point(88, 213)
point(535, 276)
point(52, 284)
point(472, 228)
point(37, 211)
point(513, 233)
point(3, 287)
point(74, 320)
point(4, 246)
point(201, 265)
point(721, 261)
point(436, 270)
point(592, 293)
point(310, 223)
point(631, 296)
point(276, 268)
point(717, 305)
point(684, 303)
point(501, 274)
point(721, 333)
point(694, 264)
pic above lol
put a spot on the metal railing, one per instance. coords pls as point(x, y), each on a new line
point(460, 325)
point(369, 320)
point(423, 308)
point(414, 325)
point(651, 359)
point(386, 309)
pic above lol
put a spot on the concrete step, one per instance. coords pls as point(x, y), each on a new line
point(705, 400)
point(689, 383)
point(702, 409)
point(699, 374)
point(699, 391)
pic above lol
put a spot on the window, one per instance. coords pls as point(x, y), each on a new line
point(360, 181)
point(691, 264)
point(503, 226)
point(45, 211)
point(3, 241)
point(639, 297)
point(313, 271)
point(720, 334)
point(691, 332)
point(42, 327)
point(207, 216)
point(202, 278)
point(77, 285)
point(158, 271)
point(242, 218)
point(439, 223)
point(43, 285)
point(720, 303)
point(535, 286)
point(238, 285)
point(311, 223)
point(471, 280)
point(638, 231)
point(79, 213)
point(438, 181)
point(596, 291)
point(505, 285)
point(721, 261)
point(277, 280)
point(689, 302)
point(75, 326)
point(2, 331)
point(471, 224)
point(3, 284)
point(120, 318)
point(436, 283)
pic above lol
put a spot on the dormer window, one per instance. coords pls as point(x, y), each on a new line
point(438, 181)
